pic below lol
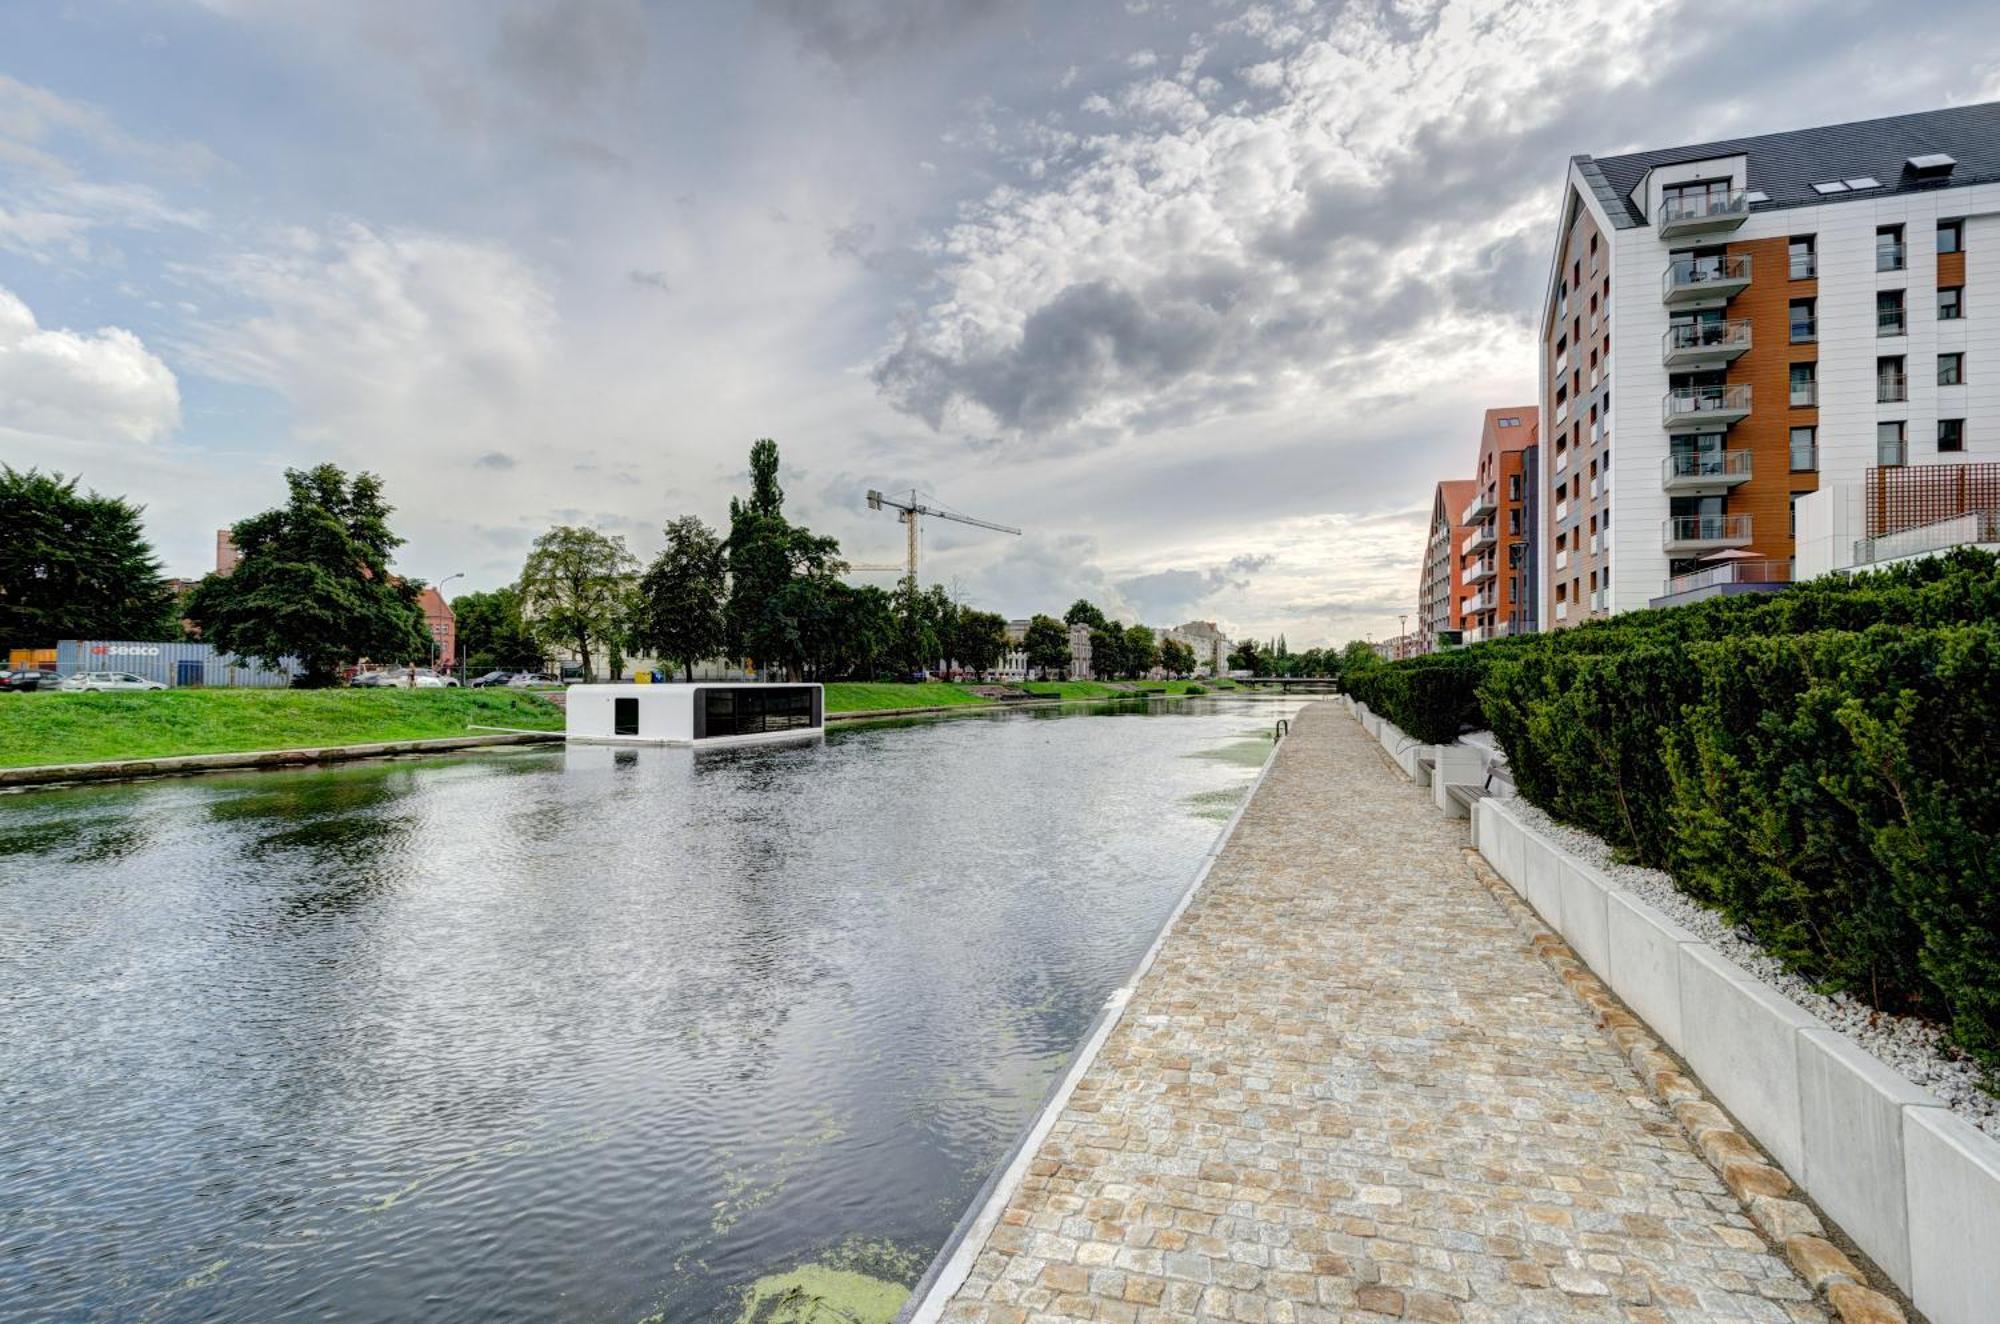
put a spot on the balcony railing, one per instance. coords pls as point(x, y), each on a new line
point(1600, 600)
point(1480, 571)
point(1889, 257)
point(1977, 527)
point(1705, 469)
point(1484, 600)
point(1690, 533)
point(1804, 330)
point(1731, 572)
point(1804, 266)
point(1891, 388)
point(1691, 344)
point(1477, 509)
point(1805, 395)
point(1805, 459)
point(1482, 538)
point(1890, 322)
point(1562, 611)
point(1694, 279)
point(1562, 559)
point(1689, 407)
point(1562, 461)
point(1892, 454)
point(1700, 213)
point(1562, 511)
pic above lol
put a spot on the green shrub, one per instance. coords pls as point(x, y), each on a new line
point(1195, 689)
point(1819, 764)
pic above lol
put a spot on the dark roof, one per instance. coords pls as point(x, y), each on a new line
point(1787, 165)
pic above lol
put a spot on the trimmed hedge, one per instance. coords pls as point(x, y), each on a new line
point(1822, 765)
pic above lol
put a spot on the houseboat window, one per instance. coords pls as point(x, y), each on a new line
point(624, 717)
point(749, 712)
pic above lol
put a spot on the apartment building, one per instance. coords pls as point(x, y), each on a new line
point(1498, 552)
point(1796, 316)
point(1209, 645)
point(1440, 600)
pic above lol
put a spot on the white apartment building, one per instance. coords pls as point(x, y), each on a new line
point(1807, 329)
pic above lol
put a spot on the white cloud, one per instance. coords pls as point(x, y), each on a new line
point(376, 336)
point(76, 386)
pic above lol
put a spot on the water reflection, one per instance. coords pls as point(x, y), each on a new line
point(588, 1033)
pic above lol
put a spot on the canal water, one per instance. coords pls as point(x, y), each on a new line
point(584, 1034)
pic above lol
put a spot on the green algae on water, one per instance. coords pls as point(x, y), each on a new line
point(1244, 753)
point(1215, 806)
point(816, 1294)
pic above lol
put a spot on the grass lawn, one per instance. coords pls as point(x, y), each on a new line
point(90, 728)
point(857, 696)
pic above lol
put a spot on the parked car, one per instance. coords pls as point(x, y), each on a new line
point(28, 678)
point(491, 678)
point(90, 682)
point(523, 679)
point(399, 678)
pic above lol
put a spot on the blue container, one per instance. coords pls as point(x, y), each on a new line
point(176, 663)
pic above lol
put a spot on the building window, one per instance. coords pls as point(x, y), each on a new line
point(624, 717)
point(1805, 385)
point(1889, 313)
point(1891, 443)
point(1951, 236)
point(1891, 386)
point(1804, 257)
point(1805, 326)
point(1805, 450)
point(1889, 248)
point(1951, 369)
point(1514, 487)
point(1951, 303)
point(1951, 434)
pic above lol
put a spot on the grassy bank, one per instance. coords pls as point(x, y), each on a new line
point(38, 729)
point(854, 696)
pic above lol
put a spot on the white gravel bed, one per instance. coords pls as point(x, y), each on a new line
point(1912, 1046)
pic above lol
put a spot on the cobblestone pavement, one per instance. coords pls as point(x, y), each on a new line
point(1347, 1089)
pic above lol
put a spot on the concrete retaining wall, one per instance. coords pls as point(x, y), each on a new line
point(1915, 1185)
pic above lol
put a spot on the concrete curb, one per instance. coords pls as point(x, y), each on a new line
point(1915, 1185)
point(1761, 1188)
point(57, 774)
point(954, 1261)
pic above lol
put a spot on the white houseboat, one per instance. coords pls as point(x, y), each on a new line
point(702, 713)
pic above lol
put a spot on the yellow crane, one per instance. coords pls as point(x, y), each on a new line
point(910, 512)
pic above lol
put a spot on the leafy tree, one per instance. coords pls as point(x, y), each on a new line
point(576, 591)
point(917, 625)
point(494, 636)
point(681, 596)
point(766, 551)
point(1245, 657)
point(1358, 657)
point(979, 638)
point(1176, 657)
point(864, 632)
point(313, 582)
point(75, 565)
point(1107, 651)
point(1082, 612)
point(1142, 654)
point(1047, 645)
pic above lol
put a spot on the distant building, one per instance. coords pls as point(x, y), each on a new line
point(227, 558)
point(1209, 645)
point(1498, 573)
point(1399, 647)
point(1079, 652)
point(1014, 661)
point(1440, 587)
point(443, 624)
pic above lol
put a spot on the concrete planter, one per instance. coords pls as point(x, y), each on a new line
point(1915, 1185)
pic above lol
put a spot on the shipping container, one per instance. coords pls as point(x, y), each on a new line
point(178, 664)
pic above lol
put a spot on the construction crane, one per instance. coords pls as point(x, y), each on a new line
point(910, 512)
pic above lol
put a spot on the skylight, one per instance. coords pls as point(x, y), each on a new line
point(1862, 181)
point(1834, 186)
point(1933, 161)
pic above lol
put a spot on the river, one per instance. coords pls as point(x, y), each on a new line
point(582, 1034)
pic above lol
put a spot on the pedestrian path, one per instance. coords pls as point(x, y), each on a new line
point(1348, 1089)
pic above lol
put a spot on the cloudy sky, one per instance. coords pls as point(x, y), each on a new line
point(1203, 294)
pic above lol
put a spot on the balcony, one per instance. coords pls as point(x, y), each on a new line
point(1484, 600)
point(1480, 508)
point(1891, 388)
point(1562, 559)
point(1805, 459)
point(1704, 344)
point(1480, 571)
point(1805, 395)
point(1692, 280)
point(1689, 535)
point(1702, 213)
point(1890, 323)
point(1482, 538)
point(1704, 471)
point(1890, 256)
point(1725, 579)
point(1692, 408)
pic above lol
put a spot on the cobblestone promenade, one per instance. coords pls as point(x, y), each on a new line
point(1347, 1090)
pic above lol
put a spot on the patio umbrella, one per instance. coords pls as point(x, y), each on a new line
point(1732, 554)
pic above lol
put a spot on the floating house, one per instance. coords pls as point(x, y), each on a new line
point(703, 713)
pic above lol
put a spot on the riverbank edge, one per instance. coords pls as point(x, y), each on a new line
point(953, 1263)
point(1006, 705)
point(58, 774)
